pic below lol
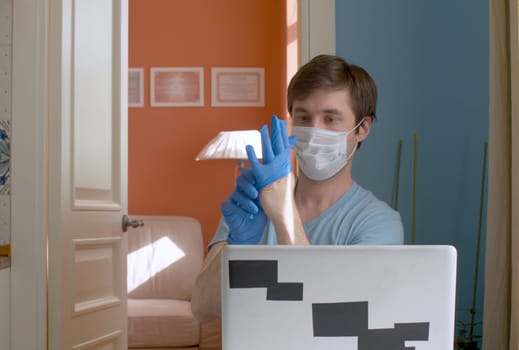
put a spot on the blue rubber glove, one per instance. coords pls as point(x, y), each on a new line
point(242, 211)
point(276, 154)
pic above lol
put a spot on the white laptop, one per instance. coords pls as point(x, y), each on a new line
point(338, 297)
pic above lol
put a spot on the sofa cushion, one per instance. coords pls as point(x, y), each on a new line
point(164, 257)
point(161, 323)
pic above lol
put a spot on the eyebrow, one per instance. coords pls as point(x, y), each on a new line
point(324, 111)
point(331, 111)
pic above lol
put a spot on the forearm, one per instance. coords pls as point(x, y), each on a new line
point(205, 299)
point(291, 231)
point(278, 203)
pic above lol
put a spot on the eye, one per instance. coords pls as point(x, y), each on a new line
point(301, 119)
point(330, 119)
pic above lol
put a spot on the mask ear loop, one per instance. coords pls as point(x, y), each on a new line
point(352, 152)
point(359, 123)
point(296, 171)
point(356, 142)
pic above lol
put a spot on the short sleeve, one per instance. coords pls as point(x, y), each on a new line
point(382, 226)
point(221, 234)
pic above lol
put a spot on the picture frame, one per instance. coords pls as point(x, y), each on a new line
point(135, 87)
point(237, 87)
point(177, 86)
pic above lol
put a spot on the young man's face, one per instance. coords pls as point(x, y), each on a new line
point(325, 109)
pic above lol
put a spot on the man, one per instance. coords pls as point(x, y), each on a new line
point(332, 105)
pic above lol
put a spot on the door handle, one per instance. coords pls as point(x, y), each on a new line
point(5, 250)
point(5, 256)
point(131, 223)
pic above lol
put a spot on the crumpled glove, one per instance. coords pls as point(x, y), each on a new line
point(276, 154)
point(242, 211)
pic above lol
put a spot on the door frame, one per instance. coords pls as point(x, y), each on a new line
point(317, 28)
point(28, 312)
point(29, 233)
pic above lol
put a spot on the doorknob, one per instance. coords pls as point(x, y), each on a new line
point(5, 250)
point(131, 223)
point(5, 256)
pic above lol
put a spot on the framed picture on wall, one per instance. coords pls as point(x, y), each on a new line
point(177, 86)
point(135, 87)
point(237, 87)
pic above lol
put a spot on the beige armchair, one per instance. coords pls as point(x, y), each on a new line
point(164, 258)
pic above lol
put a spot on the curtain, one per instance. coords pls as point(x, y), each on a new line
point(501, 300)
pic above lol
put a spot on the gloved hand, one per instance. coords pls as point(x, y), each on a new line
point(242, 211)
point(276, 154)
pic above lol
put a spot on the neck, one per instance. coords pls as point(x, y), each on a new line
point(314, 197)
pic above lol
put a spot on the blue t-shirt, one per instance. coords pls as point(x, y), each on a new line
point(357, 217)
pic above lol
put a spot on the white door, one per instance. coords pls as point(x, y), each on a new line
point(87, 174)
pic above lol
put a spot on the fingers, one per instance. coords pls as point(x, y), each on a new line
point(276, 156)
point(247, 173)
point(266, 146)
point(242, 202)
point(277, 135)
point(240, 205)
point(284, 134)
point(285, 140)
point(292, 141)
point(245, 184)
point(278, 140)
point(253, 160)
point(272, 145)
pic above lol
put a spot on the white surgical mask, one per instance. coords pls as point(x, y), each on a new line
point(322, 153)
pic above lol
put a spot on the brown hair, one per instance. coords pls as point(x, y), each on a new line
point(333, 72)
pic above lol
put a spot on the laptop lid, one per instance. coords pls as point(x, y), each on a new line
point(338, 297)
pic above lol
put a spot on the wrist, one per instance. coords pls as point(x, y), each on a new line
point(277, 199)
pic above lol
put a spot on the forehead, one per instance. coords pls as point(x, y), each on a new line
point(324, 99)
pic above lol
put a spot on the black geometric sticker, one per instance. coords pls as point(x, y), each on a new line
point(350, 319)
point(263, 274)
point(339, 319)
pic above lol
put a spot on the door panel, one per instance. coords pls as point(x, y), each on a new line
point(87, 174)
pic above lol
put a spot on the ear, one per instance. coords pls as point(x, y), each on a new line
point(364, 129)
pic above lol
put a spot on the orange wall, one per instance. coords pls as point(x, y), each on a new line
point(164, 178)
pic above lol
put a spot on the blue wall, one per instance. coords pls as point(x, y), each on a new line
point(430, 62)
